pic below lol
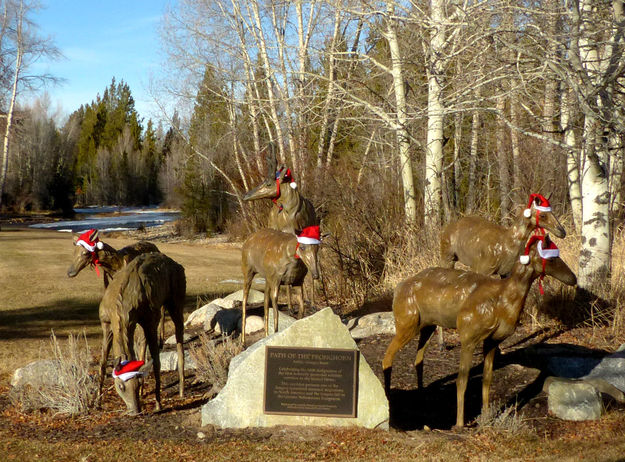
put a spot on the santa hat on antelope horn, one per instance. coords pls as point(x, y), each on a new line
point(539, 202)
point(85, 240)
point(310, 235)
point(547, 249)
point(128, 369)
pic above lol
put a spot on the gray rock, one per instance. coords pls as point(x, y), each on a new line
point(372, 324)
point(42, 372)
point(611, 369)
point(240, 403)
point(169, 361)
point(573, 399)
point(202, 315)
point(227, 304)
point(172, 340)
point(252, 324)
point(253, 298)
point(284, 321)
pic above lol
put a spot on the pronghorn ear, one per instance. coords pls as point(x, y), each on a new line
point(94, 235)
point(75, 237)
point(283, 171)
point(146, 367)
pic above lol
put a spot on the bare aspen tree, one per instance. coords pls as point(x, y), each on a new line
point(550, 91)
point(20, 46)
point(502, 159)
point(436, 110)
point(476, 127)
point(331, 77)
point(401, 130)
point(572, 158)
point(597, 62)
point(19, 54)
point(457, 167)
point(516, 151)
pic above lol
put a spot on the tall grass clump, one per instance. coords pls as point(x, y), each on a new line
point(71, 389)
point(212, 359)
point(505, 420)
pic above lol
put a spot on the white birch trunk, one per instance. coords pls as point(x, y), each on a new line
point(502, 160)
point(10, 113)
point(261, 42)
point(331, 90)
point(594, 258)
point(572, 161)
point(516, 152)
point(401, 131)
point(476, 123)
point(434, 146)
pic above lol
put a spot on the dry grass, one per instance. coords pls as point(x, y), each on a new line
point(505, 420)
point(74, 388)
point(212, 359)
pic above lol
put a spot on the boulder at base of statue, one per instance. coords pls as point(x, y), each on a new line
point(169, 361)
point(38, 373)
point(202, 315)
point(240, 403)
point(372, 324)
point(253, 324)
point(573, 400)
point(254, 297)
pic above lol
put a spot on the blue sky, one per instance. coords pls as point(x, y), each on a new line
point(101, 40)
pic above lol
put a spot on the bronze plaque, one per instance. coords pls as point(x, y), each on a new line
point(311, 381)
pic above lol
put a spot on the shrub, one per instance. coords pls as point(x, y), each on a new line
point(74, 390)
point(212, 359)
point(506, 419)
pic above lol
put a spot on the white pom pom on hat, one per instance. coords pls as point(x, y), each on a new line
point(85, 241)
point(525, 259)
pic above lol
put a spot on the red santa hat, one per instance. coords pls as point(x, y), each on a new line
point(288, 177)
point(128, 369)
point(85, 240)
point(310, 235)
point(547, 249)
point(539, 202)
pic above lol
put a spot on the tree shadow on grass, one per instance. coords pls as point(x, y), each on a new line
point(37, 321)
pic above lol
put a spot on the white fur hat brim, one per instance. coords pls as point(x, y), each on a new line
point(308, 240)
point(90, 248)
point(547, 253)
point(125, 376)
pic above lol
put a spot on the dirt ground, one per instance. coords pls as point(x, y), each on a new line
point(421, 420)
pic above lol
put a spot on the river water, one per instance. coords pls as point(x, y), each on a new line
point(111, 219)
